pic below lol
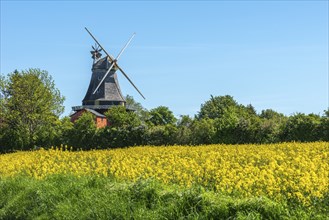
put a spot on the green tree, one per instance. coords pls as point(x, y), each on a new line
point(225, 127)
point(3, 123)
point(161, 135)
point(184, 132)
point(233, 123)
point(203, 131)
point(137, 107)
point(271, 114)
point(301, 127)
point(324, 126)
point(217, 106)
point(65, 131)
point(161, 116)
point(125, 128)
point(248, 130)
point(271, 127)
point(30, 108)
point(119, 117)
point(83, 135)
point(161, 127)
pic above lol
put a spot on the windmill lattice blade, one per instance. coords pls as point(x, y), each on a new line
point(111, 60)
point(130, 81)
point(108, 55)
point(124, 72)
point(125, 46)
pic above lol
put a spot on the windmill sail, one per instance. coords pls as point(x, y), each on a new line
point(113, 60)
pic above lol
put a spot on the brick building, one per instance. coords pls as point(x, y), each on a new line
point(100, 119)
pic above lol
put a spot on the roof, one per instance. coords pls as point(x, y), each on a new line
point(81, 108)
point(95, 113)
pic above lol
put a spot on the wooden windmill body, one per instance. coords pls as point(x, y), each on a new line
point(109, 93)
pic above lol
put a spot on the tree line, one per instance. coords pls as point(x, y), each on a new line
point(31, 105)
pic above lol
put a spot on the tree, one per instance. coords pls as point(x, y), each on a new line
point(138, 109)
point(248, 130)
point(161, 135)
point(84, 132)
point(271, 127)
point(125, 128)
point(184, 132)
point(30, 106)
point(225, 127)
point(301, 127)
point(161, 116)
point(271, 114)
point(3, 123)
point(119, 117)
point(203, 131)
point(217, 106)
point(324, 126)
point(65, 131)
point(233, 123)
point(250, 109)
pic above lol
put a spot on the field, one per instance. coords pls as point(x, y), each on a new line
point(288, 180)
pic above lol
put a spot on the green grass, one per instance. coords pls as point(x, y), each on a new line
point(70, 197)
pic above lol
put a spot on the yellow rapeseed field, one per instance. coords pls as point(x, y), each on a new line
point(298, 171)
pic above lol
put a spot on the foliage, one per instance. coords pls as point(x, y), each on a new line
point(137, 107)
point(225, 128)
point(217, 106)
point(161, 135)
point(247, 130)
point(125, 128)
point(119, 117)
point(65, 130)
point(270, 114)
point(184, 130)
point(272, 124)
point(83, 133)
point(203, 131)
point(301, 127)
point(161, 116)
point(30, 107)
point(324, 127)
point(232, 123)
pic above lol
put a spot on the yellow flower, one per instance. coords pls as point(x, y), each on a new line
point(288, 170)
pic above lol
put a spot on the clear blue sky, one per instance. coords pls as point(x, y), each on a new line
point(271, 54)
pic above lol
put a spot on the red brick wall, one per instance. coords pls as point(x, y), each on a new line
point(101, 122)
point(77, 115)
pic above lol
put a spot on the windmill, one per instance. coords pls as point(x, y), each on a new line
point(104, 91)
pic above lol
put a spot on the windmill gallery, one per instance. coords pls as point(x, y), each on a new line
point(104, 90)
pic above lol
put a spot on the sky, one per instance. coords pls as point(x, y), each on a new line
point(271, 54)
